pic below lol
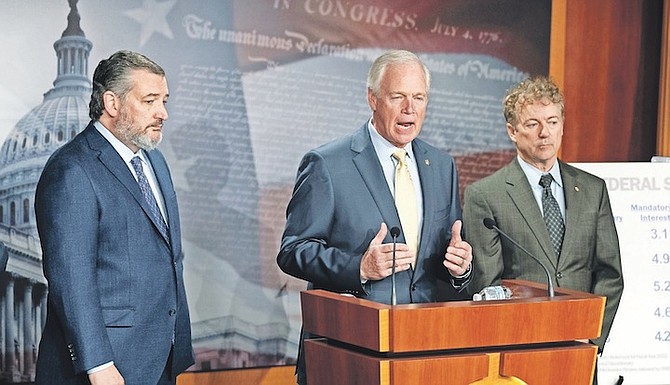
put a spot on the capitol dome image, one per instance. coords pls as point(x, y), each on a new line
point(62, 114)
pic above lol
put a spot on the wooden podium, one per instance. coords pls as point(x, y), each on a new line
point(529, 339)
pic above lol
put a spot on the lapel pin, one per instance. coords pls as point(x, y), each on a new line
point(576, 188)
point(427, 162)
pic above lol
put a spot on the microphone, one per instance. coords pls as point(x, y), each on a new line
point(491, 224)
point(395, 232)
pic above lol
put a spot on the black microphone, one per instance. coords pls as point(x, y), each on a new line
point(491, 224)
point(395, 232)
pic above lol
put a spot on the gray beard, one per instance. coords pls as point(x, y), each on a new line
point(140, 139)
point(143, 141)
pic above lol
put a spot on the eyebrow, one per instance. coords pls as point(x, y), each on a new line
point(539, 119)
point(154, 95)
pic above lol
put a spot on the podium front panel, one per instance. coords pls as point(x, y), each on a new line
point(529, 317)
point(571, 363)
point(333, 365)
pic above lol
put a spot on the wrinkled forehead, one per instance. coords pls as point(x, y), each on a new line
point(146, 83)
point(535, 108)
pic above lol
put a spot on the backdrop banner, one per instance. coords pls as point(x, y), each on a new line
point(254, 85)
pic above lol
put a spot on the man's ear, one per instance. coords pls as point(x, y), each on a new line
point(111, 103)
point(511, 132)
point(372, 100)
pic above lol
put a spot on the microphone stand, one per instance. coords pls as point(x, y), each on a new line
point(490, 224)
point(393, 295)
point(394, 233)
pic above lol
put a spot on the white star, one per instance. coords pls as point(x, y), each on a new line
point(152, 18)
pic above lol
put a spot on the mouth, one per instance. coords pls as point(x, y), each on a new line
point(405, 125)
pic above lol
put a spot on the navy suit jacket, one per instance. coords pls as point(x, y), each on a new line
point(116, 289)
point(340, 200)
point(4, 257)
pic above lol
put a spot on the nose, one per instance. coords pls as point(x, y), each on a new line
point(408, 106)
point(162, 113)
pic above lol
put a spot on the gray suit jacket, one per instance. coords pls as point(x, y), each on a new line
point(116, 291)
point(590, 260)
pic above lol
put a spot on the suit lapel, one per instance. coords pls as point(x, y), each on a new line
point(113, 162)
point(521, 194)
point(163, 179)
point(428, 191)
point(165, 184)
point(573, 208)
point(366, 161)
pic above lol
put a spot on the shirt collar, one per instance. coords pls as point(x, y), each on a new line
point(383, 147)
point(534, 175)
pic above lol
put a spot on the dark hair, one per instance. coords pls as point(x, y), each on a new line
point(113, 74)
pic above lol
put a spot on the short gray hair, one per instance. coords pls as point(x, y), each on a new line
point(392, 57)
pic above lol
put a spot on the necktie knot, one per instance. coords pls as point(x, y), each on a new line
point(400, 155)
point(136, 162)
point(545, 180)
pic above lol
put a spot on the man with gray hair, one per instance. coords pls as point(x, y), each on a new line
point(352, 193)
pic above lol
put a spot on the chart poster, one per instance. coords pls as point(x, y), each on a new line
point(638, 347)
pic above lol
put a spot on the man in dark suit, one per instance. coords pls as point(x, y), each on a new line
point(585, 255)
point(4, 257)
point(109, 228)
point(338, 220)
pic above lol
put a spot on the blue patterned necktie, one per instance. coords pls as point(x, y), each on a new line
point(552, 214)
point(150, 198)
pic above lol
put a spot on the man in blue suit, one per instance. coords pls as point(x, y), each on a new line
point(109, 228)
point(4, 257)
point(344, 203)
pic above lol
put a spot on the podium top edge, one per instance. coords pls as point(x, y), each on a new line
point(525, 291)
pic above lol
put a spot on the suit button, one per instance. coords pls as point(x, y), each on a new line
point(172, 312)
point(559, 275)
point(413, 287)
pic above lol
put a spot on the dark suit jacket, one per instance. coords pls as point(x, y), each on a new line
point(590, 260)
point(4, 257)
point(116, 291)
